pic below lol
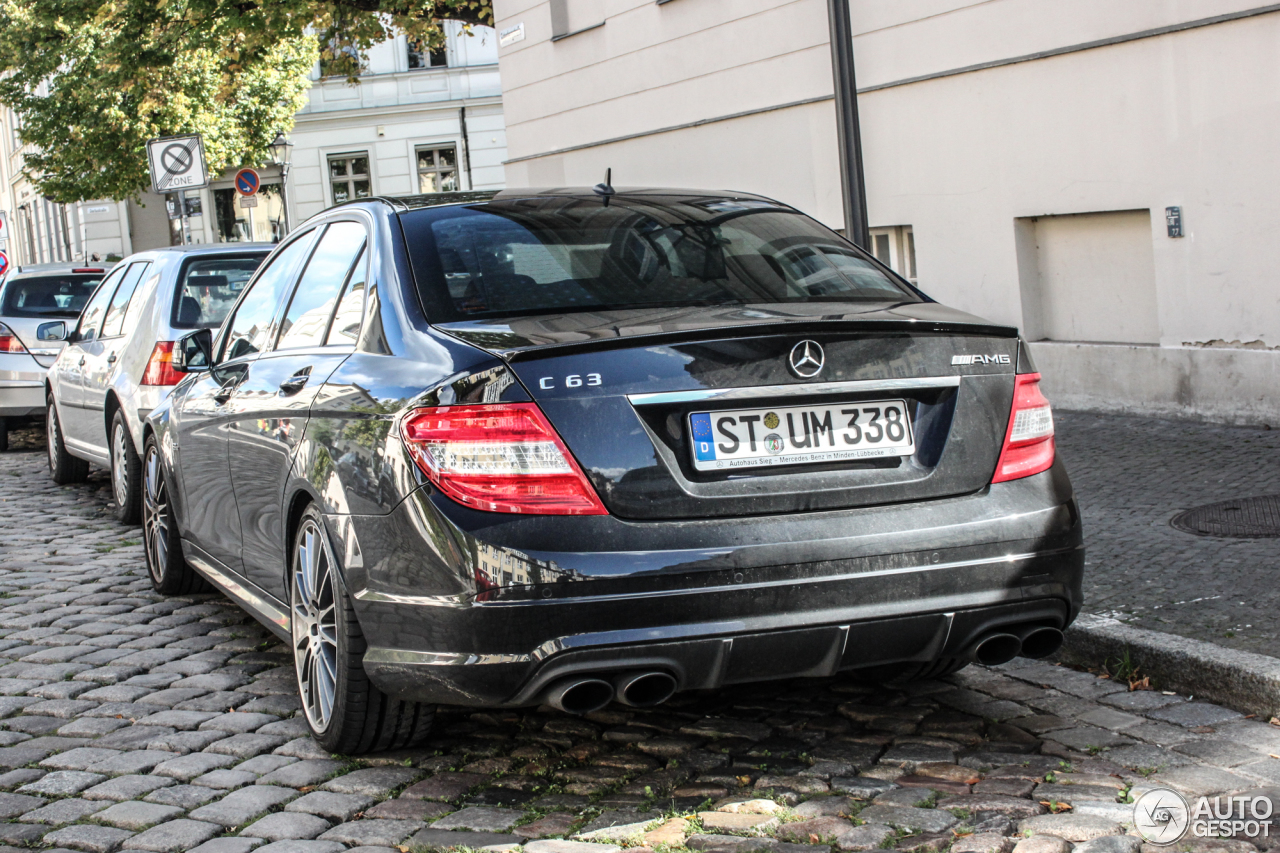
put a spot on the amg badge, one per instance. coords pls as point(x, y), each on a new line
point(980, 359)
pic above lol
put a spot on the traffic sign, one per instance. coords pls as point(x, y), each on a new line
point(247, 181)
point(4, 263)
point(177, 163)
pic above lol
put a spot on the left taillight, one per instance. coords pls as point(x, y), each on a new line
point(1028, 442)
point(9, 341)
point(503, 457)
point(160, 366)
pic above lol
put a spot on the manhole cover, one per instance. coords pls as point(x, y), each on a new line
point(1243, 518)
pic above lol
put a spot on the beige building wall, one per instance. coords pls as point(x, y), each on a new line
point(986, 125)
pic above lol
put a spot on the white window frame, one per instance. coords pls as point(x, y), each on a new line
point(901, 256)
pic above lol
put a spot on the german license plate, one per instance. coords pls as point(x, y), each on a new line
point(797, 435)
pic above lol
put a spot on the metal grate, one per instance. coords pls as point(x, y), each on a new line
point(1242, 518)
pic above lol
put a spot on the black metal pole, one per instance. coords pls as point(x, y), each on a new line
point(852, 180)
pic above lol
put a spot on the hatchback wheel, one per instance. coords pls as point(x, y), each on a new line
point(345, 712)
point(169, 572)
point(63, 467)
point(4, 436)
point(126, 472)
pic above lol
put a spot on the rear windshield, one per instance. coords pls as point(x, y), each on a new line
point(209, 287)
point(524, 256)
point(60, 296)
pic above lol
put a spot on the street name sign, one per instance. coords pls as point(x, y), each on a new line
point(177, 163)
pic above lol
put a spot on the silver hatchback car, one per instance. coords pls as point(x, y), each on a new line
point(30, 296)
point(116, 366)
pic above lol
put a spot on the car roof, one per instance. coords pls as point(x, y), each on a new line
point(32, 270)
point(406, 203)
point(209, 248)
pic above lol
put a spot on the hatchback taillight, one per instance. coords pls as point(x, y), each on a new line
point(504, 457)
point(1028, 443)
point(160, 366)
point(9, 341)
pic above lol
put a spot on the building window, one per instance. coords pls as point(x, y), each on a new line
point(349, 176)
point(895, 247)
point(437, 170)
point(420, 56)
point(570, 17)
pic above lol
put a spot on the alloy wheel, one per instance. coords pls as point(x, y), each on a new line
point(155, 514)
point(315, 626)
point(51, 436)
point(120, 464)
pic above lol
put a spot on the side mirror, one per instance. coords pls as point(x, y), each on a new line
point(51, 332)
point(193, 352)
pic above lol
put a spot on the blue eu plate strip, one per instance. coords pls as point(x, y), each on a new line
point(704, 446)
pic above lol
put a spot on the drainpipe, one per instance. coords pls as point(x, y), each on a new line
point(852, 179)
point(466, 146)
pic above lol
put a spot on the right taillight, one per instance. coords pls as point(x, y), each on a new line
point(9, 341)
point(160, 366)
point(1028, 443)
point(501, 457)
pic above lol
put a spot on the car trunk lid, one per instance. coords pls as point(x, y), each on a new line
point(621, 386)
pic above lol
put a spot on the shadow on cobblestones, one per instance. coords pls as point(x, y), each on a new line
point(129, 721)
point(1132, 475)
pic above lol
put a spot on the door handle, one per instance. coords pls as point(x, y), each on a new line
point(111, 359)
point(295, 383)
point(82, 361)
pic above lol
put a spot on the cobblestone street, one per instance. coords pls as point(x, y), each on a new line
point(144, 723)
point(1132, 475)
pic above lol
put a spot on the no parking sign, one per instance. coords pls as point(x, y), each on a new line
point(247, 181)
point(4, 264)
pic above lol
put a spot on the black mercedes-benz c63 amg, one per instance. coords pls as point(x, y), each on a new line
point(582, 446)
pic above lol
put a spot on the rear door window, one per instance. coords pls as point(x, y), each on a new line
point(113, 326)
point(252, 326)
point(307, 320)
point(209, 287)
point(58, 297)
point(91, 319)
point(345, 329)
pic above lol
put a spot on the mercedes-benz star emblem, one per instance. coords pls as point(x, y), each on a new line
point(807, 359)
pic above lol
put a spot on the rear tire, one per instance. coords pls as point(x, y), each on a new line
point(170, 574)
point(903, 673)
point(63, 467)
point(4, 436)
point(126, 472)
point(345, 712)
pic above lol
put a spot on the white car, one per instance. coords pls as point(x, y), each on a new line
point(116, 366)
point(30, 296)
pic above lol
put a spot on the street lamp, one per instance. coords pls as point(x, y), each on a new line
point(281, 154)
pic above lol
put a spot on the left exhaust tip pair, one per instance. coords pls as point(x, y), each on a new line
point(584, 694)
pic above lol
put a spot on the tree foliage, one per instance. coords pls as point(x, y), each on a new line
point(93, 80)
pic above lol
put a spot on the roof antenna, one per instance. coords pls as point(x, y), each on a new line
point(606, 189)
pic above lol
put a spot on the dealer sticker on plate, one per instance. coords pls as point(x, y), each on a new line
point(797, 435)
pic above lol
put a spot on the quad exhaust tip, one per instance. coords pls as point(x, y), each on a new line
point(644, 689)
point(580, 695)
point(1035, 641)
point(584, 694)
point(1041, 642)
point(995, 649)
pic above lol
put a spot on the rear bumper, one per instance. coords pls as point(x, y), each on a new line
point(713, 602)
point(21, 385)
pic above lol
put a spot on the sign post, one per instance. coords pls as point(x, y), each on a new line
point(177, 165)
